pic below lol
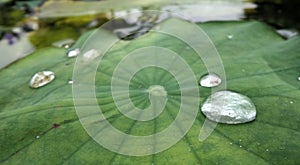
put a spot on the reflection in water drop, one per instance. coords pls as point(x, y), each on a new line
point(210, 80)
point(298, 78)
point(41, 78)
point(37, 137)
point(73, 52)
point(229, 107)
point(70, 82)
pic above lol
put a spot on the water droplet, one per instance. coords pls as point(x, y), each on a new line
point(267, 150)
point(230, 37)
point(291, 102)
point(230, 143)
point(41, 78)
point(73, 52)
point(210, 80)
point(241, 146)
point(67, 46)
point(240, 140)
point(37, 137)
point(229, 107)
point(298, 78)
point(70, 82)
point(90, 55)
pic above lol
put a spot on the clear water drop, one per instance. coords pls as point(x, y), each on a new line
point(67, 46)
point(41, 79)
point(267, 150)
point(291, 102)
point(73, 52)
point(210, 80)
point(298, 78)
point(229, 107)
point(90, 55)
point(37, 137)
point(241, 146)
point(70, 82)
point(230, 37)
point(230, 143)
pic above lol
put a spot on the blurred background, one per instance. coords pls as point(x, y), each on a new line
point(27, 25)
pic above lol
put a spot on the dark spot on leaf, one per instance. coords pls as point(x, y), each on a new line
point(56, 125)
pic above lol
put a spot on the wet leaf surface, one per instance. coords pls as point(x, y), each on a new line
point(258, 64)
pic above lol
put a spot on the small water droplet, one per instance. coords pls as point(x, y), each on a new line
point(240, 140)
point(37, 137)
point(90, 55)
point(230, 37)
point(241, 146)
point(298, 78)
point(41, 78)
point(267, 150)
point(67, 46)
point(73, 52)
point(230, 143)
point(229, 107)
point(210, 80)
point(291, 102)
point(70, 82)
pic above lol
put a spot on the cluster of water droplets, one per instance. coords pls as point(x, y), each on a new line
point(226, 106)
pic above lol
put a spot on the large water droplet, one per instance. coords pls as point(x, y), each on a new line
point(73, 52)
point(210, 80)
point(229, 107)
point(41, 78)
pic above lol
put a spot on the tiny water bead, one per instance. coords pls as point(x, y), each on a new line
point(73, 52)
point(41, 79)
point(210, 80)
point(230, 37)
point(37, 137)
point(229, 108)
point(70, 82)
point(90, 55)
point(298, 78)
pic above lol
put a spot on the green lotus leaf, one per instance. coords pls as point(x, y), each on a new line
point(40, 126)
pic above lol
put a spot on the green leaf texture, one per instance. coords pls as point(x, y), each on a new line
point(258, 63)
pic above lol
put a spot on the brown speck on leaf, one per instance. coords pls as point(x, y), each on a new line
point(56, 125)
